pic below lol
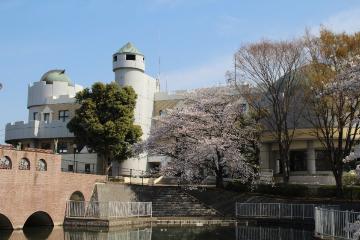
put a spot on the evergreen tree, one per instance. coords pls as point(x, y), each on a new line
point(105, 121)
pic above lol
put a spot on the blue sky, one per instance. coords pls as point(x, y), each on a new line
point(195, 39)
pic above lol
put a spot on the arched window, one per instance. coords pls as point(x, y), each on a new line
point(41, 165)
point(24, 164)
point(5, 163)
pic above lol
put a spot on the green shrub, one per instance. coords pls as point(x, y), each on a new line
point(326, 191)
point(352, 192)
point(296, 190)
point(238, 186)
point(350, 178)
point(288, 190)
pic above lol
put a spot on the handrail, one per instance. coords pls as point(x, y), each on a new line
point(106, 210)
point(275, 210)
point(335, 223)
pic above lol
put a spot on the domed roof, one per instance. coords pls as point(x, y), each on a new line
point(129, 48)
point(56, 75)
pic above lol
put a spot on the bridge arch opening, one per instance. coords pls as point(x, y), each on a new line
point(77, 196)
point(39, 219)
point(5, 223)
point(38, 226)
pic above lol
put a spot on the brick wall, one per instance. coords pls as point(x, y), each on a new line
point(24, 192)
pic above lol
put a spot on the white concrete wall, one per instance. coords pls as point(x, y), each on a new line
point(177, 95)
point(37, 129)
point(80, 160)
point(41, 93)
point(145, 88)
point(131, 73)
point(121, 62)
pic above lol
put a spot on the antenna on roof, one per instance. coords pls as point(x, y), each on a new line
point(235, 68)
point(159, 61)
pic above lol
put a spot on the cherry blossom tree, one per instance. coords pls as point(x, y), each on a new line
point(209, 134)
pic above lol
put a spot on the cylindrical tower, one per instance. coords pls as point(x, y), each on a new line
point(129, 69)
point(128, 65)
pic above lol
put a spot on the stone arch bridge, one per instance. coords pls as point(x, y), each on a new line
point(34, 191)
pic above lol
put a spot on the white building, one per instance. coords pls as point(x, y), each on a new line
point(51, 104)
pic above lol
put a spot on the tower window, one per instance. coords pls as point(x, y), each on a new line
point(63, 115)
point(115, 58)
point(130, 57)
point(47, 117)
point(35, 114)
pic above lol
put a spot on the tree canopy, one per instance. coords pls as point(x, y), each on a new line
point(272, 67)
point(105, 121)
point(334, 96)
point(209, 134)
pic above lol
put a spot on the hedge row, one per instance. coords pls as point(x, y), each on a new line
point(296, 190)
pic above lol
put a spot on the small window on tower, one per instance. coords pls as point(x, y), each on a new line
point(115, 58)
point(35, 116)
point(130, 57)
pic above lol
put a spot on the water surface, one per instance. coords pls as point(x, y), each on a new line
point(240, 232)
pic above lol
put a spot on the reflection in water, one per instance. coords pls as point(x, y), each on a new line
point(123, 234)
point(37, 233)
point(5, 234)
point(271, 233)
point(239, 232)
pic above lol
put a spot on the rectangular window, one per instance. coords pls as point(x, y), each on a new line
point(47, 117)
point(322, 161)
point(71, 168)
point(64, 115)
point(45, 146)
point(62, 147)
point(298, 161)
point(130, 57)
point(115, 58)
point(35, 116)
point(87, 168)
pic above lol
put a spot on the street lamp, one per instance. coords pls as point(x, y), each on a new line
point(74, 150)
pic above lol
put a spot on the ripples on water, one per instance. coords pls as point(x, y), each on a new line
point(239, 232)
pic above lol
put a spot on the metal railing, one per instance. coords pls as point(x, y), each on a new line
point(275, 210)
point(268, 233)
point(334, 223)
point(106, 210)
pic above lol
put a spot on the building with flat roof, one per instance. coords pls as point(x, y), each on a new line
point(51, 104)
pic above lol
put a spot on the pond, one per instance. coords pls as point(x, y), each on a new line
point(239, 232)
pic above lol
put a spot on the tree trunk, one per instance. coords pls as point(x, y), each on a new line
point(284, 159)
point(105, 165)
point(219, 180)
point(286, 173)
point(339, 185)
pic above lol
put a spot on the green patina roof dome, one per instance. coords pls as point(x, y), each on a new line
point(129, 48)
point(56, 75)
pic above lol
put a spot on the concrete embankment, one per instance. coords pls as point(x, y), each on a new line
point(224, 201)
point(170, 206)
